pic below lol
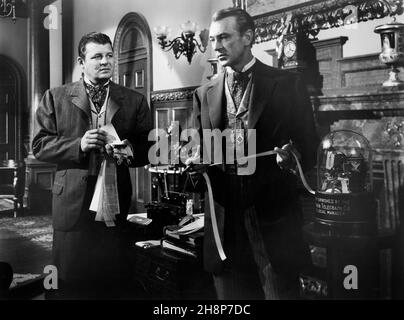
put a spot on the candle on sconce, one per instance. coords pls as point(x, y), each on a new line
point(188, 28)
point(161, 31)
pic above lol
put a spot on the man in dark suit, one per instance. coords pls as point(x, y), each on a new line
point(89, 255)
point(257, 212)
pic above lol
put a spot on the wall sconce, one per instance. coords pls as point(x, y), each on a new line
point(185, 44)
point(391, 41)
point(7, 9)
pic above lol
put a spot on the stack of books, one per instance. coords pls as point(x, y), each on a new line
point(184, 239)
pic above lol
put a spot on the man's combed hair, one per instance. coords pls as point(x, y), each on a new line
point(243, 19)
point(95, 37)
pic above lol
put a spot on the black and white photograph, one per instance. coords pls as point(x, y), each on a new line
point(213, 153)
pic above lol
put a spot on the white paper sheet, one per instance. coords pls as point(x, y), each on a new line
point(112, 135)
point(97, 197)
point(105, 200)
point(193, 226)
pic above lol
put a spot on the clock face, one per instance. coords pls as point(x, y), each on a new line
point(289, 49)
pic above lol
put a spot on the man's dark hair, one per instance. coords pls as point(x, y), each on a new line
point(243, 19)
point(95, 37)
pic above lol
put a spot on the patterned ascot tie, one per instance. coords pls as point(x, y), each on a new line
point(238, 82)
point(97, 94)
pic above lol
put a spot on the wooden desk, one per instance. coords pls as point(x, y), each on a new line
point(361, 251)
point(167, 275)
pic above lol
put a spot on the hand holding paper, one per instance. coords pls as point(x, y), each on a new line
point(119, 150)
point(105, 201)
point(93, 139)
point(284, 157)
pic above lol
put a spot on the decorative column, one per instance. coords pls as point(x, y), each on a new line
point(38, 55)
point(68, 48)
point(39, 175)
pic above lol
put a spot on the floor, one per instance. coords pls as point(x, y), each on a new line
point(26, 255)
point(26, 246)
point(22, 254)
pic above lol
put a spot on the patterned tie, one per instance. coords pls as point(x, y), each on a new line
point(97, 94)
point(238, 82)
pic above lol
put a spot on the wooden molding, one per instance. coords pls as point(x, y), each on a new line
point(173, 94)
point(313, 16)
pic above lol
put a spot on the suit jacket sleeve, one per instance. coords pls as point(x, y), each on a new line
point(196, 121)
point(47, 144)
point(196, 113)
point(303, 130)
point(139, 137)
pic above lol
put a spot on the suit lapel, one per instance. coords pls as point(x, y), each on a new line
point(261, 93)
point(262, 88)
point(115, 101)
point(79, 97)
point(215, 101)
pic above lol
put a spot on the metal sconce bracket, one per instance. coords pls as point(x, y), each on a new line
point(185, 44)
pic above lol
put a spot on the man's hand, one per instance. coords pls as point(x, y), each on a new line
point(195, 158)
point(285, 158)
point(94, 139)
point(111, 149)
point(120, 152)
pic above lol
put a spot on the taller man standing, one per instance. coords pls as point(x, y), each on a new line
point(89, 255)
point(257, 213)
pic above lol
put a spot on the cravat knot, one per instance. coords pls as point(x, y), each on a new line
point(238, 78)
point(238, 82)
point(97, 94)
point(241, 76)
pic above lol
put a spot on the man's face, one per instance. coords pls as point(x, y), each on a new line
point(230, 46)
point(98, 62)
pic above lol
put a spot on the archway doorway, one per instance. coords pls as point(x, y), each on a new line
point(133, 69)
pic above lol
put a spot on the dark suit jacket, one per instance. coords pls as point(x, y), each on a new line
point(280, 110)
point(62, 118)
